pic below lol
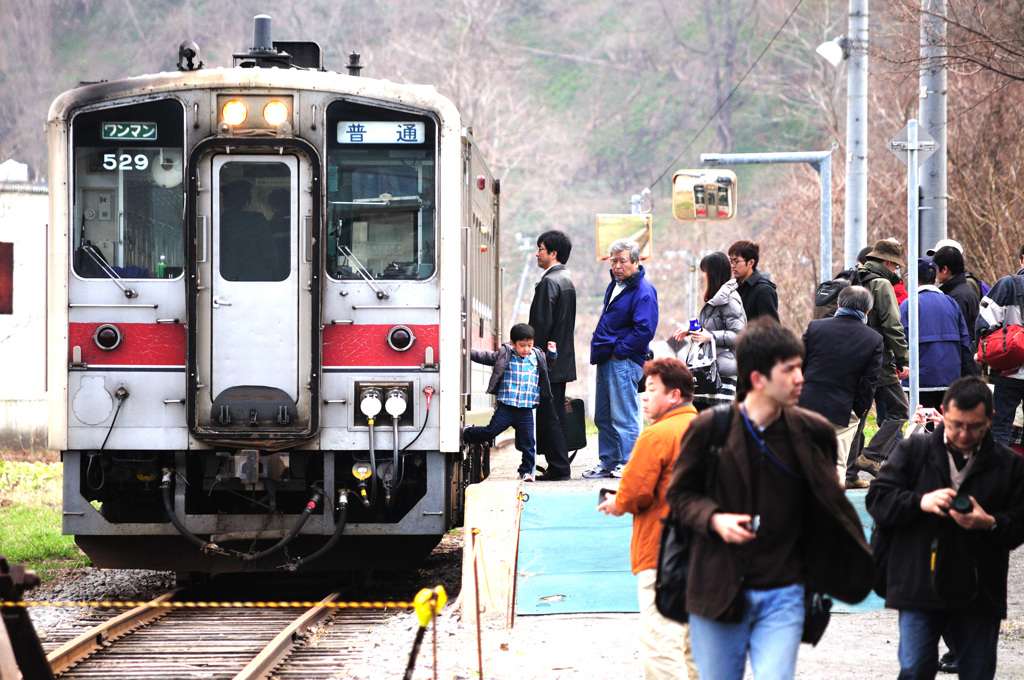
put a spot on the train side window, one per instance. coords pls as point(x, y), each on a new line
point(128, 216)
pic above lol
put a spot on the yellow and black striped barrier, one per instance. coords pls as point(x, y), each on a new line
point(213, 605)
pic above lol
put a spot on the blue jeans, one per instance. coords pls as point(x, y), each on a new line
point(617, 410)
point(1006, 397)
point(974, 636)
point(505, 416)
point(773, 622)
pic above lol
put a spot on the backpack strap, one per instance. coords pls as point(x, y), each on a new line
point(722, 414)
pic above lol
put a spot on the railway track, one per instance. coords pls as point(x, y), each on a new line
point(157, 641)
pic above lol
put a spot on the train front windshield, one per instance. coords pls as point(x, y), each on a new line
point(128, 193)
point(381, 178)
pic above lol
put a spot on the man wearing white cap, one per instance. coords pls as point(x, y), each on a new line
point(979, 286)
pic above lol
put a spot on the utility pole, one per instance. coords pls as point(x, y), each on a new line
point(932, 113)
point(856, 215)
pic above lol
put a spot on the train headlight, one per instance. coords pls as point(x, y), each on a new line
point(400, 338)
point(396, 403)
point(370, 402)
point(275, 113)
point(234, 112)
point(107, 337)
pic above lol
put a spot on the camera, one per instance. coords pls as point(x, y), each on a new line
point(962, 503)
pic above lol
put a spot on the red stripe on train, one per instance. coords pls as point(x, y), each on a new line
point(147, 344)
point(367, 345)
point(143, 344)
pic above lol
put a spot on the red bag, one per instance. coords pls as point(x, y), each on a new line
point(1003, 349)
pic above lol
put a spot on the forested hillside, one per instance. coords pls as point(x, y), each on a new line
point(580, 105)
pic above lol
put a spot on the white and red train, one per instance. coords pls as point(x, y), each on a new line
point(263, 281)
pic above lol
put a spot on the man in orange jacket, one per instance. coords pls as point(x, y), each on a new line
point(665, 645)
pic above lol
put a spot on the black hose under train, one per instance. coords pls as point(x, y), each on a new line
point(165, 488)
point(306, 512)
point(342, 518)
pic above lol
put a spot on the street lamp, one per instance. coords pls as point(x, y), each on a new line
point(835, 50)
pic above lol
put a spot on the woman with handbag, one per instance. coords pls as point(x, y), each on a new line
point(721, 319)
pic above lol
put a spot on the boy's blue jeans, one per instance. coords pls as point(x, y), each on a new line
point(505, 416)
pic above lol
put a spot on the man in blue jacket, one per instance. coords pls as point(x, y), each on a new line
point(619, 349)
point(944, 343)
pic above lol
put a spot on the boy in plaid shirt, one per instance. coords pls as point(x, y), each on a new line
point(519, 379)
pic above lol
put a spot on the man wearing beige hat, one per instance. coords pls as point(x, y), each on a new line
point(878, 275)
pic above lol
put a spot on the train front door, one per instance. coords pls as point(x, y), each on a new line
point(254, 297)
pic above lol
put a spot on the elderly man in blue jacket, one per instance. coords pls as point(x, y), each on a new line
point(619, 349)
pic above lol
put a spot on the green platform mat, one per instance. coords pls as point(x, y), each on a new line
point(574, 560)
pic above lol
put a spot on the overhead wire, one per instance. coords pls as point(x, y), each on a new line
point(725, 101)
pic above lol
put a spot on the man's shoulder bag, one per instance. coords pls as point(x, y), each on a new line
point(1002, 350)
point(677, 538)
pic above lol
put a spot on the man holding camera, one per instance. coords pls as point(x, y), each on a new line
point(953, 504)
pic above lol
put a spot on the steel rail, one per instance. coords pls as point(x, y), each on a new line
point(279, 648)
point(73, 651)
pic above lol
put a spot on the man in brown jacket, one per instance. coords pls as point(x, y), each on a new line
point(665, 645)
point(769, 521)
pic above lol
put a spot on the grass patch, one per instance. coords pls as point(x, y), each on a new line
point(30, 518)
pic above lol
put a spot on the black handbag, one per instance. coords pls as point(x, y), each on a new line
point(702, 360)
point(677, 538)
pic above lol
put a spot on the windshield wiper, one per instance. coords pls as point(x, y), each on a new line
point(97, 257)
point(365, 273)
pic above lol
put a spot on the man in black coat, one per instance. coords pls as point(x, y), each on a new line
point(951, 276)
point(756, 291)
point(553, 317)
point(844, 358)
point(952, 505)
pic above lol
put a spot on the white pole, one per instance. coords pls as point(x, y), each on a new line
point(913, 217)
point(856, 230)
point(932, 113)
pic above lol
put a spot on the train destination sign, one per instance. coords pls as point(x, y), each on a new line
point(129, 131)
point(381, 132)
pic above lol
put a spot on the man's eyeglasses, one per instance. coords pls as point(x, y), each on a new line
point(737, 260)
point(970, 428)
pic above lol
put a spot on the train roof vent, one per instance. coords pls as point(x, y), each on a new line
point(285, 54)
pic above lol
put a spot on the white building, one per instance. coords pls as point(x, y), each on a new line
point(23, 222)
